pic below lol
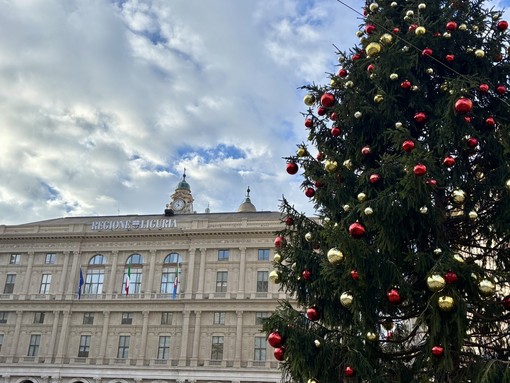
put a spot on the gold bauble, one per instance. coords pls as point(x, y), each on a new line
point(330, 166)
point(346, 299)
point(424, 210)
point(393, 76)
point(429, 71)
point(274, 277)
point(475, 28)
point(437, 251)
point(386, 38)
point(293, 266)
point(309, 99)
point(462, 27)
point(473, 214)
point(346, 208)
point(371, 336)
point(378, 98)
point(459, 196)
point(358, 114)
point(333, 83)
point(349, 84)
point(398, 125)
point(447, 35)
point(362, 197)
point(445, 303)
point(308, 237)
point(335, 256)
point(277, 258)
point(409, 13)
point(312, 380)
point(422, 6)
point(373, 7)
point(479, 53)
point(420, 31)
point(348, 164)
point(317, 343)
point(415, 88)
point(487, 287)
point(368, 211)
point(458, 258)
point(373, 49)
point(301, 152)
point(436, 282)
point(359, 33)
point(507, 184)
point(372, 76)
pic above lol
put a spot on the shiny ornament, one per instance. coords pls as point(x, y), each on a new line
point(348, 164)
point(459, 196)
point(307, 275)
point(408, 146)
point(374, 178)
point(449, 161)
point(406, 84)
point(368, 211)
point(309, 99)
point(445, 303)
point(419, 169)
point(507, 184)
point(369, 29)
point(447, 35)
point(451, 277)
point(320, 157)
point(275, 339)
point(463, 105)
point(321, 111)
point(346, 208)
point(313, 314)
point(330, 166)
point(426, 52)
point(451, 26)
point(436, 282)
point(312, 380)
point(301, 152)
point(450, 58)
point(277, 258)
point(308, 237)
point(437, 351)
point(309, 123)
point(348, 84)
point(409, 13)
point(490, 122)
point(501, 90)
point(394, 296)
point(394, 4)
point(327, 100)
point(412, 27)
point(362, 197)
point(479, 53)
point(473, 215)
point(472, 142)
point(502, 25)
point(309, 192)
point(335, 256)
point(422, 6)
point(366, 150)
point(458, 258)
point(370, 68)
point(431, 182)
point(398, 125)
point(371, 336)
point(420, 117)
point(486, 287)
point(292, 168)
point(356, 230)
point(373, 49)
point(354, 274)
point(349, 371)
point(317, 343)
point(429, 71)
point(279, 242)
point(274, 277)
point(373, 7)
point(378, 98)
point(437, 251)
point(289, 221)
point(386, 38)
point(393, 76)
point(279, 353)
point(463, 27)
point(420, 31)
point(342, 73)
point(335, 131)
point(424, 210)
point(357, 114)
point(346, 299)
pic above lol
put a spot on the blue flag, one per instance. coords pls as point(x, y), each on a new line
point(176, 282)
point(80, 284)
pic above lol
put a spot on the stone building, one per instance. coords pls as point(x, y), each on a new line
point(176, 297)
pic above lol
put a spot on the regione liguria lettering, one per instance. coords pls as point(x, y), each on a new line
point(135, 224)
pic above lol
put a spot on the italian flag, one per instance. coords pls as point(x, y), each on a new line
point(128, 277)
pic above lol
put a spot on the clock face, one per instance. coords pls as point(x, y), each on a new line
point(178, 204)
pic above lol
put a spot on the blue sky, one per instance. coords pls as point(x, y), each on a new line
point(103, 104)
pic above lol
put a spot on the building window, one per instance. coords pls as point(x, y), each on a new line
point(217, 348)
point(127, 318)
point(223, 255)
point(97, 259)
point(168, 279)
point(134, 267)
point(221, 281)
point(88, 318)
point(219, 317)
point(9, 283)
point(166, 318)
point(50, 258)
point(39, 317)
point(259, 352)
point(33, 347)
point(94, 282)
point(83, 351)
point(164, 347)
point(262, 281)
point(263, 255)
point(123, 350)
point(15, 259)
point(260, 316)
point(3, 316)
point(45, 284)
point(1, 341)
point(172, 258)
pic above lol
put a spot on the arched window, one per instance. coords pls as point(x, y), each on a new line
point(170, 276)
point(132, 281)
point(95, 275)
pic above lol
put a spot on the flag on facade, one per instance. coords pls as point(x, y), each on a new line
point(128, 278)
point(80, 284)
point(176, 282)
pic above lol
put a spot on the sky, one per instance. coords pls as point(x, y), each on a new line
point(104, 103)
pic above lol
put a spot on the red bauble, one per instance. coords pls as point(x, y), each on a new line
point(356, 230)
point(307, 275)
point(489, 121)
point(467, 119)
point(354, 274)
point(450, 277)
point(463, 105)
point(369, 29)
point(327, 100)
point(356, 57)
point(308, 122)
point(275, 339)
point(449, 161)
point(396, 30)
point(506, 302)
point(406, 84)
point(484, 88)
point(501, 90)
point(289, 221)
point(437, 34)
point(472, 142)
point(374, 178)
point(292, 168)
point(450, 58)
point(349, 371)
point(279, 353)
point(420, 117)
point(408, 145)
point(366, 150)
point(426, 52)
point(412, 27)
point(342, 73)
point(313, 314)
point(279, 241)
point(451, 26)
point(320, 156)
point(318, 184)
point(333, 116)
point(394, 296)
point(321, 111)
point(420, 169)
point(437, 350)
point(431, 182)
point(336, 131)
point(502, 25)
point(370, 68)
point(309, 192)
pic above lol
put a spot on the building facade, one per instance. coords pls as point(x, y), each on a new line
point(176, 297)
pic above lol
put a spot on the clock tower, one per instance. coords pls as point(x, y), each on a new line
point(182, 200)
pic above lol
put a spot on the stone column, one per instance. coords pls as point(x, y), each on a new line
point(184, 338)
point(63, 337)
point(149, 286)
point(239, 339)
point(113, 272)
point(63, 274)
point(104, 336)
point(15, 337)
point(242, 273)
point(28, 273)
point(51, 348)
point(143, 342)
point(189, 278)
point(74, 280)
point(201, 275)
point(196, 339)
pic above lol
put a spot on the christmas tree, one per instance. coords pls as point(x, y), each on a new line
point(404, 275)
